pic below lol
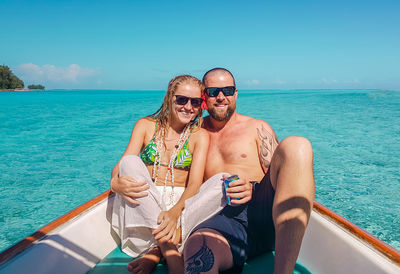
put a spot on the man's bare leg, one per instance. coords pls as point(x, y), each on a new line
point(146, 263)
point(207, 251)
point(293, 180)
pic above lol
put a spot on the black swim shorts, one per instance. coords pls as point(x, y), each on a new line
point(261, 230)
point(249, 228)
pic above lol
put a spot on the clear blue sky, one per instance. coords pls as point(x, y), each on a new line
point(143, 44)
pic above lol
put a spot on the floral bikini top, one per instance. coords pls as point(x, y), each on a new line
point(182, 161)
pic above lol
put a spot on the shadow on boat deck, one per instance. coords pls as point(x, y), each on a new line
point(117, 261)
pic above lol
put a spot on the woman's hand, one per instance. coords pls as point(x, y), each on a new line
point(129, 188)
point(168, 224)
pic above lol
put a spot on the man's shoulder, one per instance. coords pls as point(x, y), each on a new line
point(251, 122)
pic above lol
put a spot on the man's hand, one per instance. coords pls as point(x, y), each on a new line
point(240, 188)
point(168, 221)
point(129, 188)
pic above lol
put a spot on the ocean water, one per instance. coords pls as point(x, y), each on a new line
point(57, 149)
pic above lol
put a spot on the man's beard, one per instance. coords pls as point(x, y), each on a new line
point(223, 117)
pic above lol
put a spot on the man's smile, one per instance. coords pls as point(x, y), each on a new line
point(221, 106)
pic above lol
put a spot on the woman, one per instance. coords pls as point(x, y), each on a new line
point(172, 148)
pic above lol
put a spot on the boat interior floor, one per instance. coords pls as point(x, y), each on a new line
point(116, 262)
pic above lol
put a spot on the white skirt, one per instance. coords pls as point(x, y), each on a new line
point(133, 223)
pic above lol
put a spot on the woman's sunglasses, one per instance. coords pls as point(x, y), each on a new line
point(213, 92)
point(182, 100)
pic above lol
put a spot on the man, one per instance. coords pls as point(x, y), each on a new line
point(272, 217)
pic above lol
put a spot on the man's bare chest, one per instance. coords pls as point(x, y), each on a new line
point(233, 147)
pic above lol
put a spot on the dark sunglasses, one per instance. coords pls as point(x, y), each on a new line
point(182, 100)
point(213, 92)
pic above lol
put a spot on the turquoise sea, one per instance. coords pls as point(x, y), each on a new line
point(57, 149)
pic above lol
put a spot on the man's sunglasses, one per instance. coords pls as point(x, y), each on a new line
point(213, 92)
point(182, 100)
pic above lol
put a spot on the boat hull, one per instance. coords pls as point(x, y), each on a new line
point(76, 242)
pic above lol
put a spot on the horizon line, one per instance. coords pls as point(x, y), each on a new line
point(244, 89)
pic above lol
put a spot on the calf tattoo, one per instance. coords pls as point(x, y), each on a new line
point(268, 143)
point(202, 261)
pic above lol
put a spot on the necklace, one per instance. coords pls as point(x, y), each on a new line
point(171, 164)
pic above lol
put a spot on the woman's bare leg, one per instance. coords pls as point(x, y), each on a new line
point(171, 254)
point(147, 262)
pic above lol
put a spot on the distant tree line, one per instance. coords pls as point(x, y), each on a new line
point(8, 80)
point(36, 87)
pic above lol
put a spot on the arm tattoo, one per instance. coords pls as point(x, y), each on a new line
point(268, 143)
point(202, 261)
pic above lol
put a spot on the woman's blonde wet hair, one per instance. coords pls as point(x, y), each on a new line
point(162, 114)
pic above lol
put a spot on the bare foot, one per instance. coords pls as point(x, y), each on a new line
point(146, 263)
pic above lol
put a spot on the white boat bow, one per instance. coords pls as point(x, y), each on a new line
point(77, 241)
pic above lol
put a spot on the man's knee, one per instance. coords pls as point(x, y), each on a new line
point(295, 148)
point(207, 250)
point(294, 155)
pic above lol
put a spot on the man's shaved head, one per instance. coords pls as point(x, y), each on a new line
point(218, 71)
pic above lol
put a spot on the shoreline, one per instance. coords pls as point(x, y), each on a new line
point(18, 89)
